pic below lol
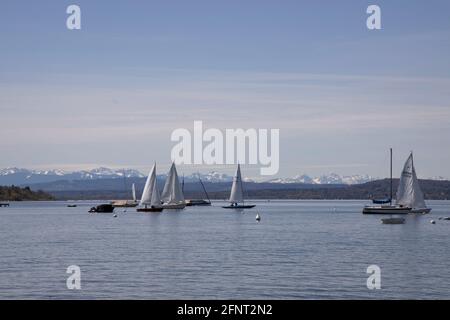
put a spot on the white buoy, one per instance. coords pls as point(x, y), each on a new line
point(433, 222)
point(258, 217)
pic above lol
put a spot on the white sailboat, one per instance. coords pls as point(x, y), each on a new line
point(409, 195)
point(237, 193)
point(172, 195)
point(151, 199)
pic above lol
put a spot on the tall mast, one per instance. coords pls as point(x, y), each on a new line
point(391, 179)
point(204, 189)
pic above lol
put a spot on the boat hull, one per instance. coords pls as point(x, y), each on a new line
point(386, 210)
point(197, 202)
point(149, 209)
point(393, 210)
point(103, 208)
point(174, 206)
point(240, 206)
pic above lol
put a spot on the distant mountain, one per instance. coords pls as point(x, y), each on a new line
point(20, 176)
point(24, 177)
point(209, 177)
point(331, 178)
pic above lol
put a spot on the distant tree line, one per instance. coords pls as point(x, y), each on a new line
point(14, 193)
point(433, 190)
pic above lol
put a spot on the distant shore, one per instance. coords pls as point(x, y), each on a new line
point(14, 193)
point(433, 190)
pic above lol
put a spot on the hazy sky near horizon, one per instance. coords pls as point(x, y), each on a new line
point(111, 93)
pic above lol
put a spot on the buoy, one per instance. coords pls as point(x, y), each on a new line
point(258, 217)
point(433, 222)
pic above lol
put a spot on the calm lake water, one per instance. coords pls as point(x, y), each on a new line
point(299, 250)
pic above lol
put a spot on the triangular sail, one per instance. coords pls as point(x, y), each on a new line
point(172, 193)
point(408, 192)
point(133, 191)
point(237, 194)
point(156, 197)
point(146, 198)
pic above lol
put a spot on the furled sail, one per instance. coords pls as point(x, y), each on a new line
point(172, 193)
point(237, 194)
point(146, 198)
point(408, 192)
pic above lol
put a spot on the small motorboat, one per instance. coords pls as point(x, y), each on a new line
point(71, 206)
point(393, 220)
point(4, 205)
point(433, 222)
point(103, 208)
point(446, 218)
point(197, 202)
point(258, 217)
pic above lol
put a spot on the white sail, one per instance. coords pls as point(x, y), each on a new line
point(237, 194)
point(133, 191)
point(408, 192)
point(146, 198)
point(156, 197)
point(172, 192)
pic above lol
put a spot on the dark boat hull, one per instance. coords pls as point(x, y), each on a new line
point(103, 208)
point(149, 209)
point(197, 202)
point(240, 206)
point(393, 210)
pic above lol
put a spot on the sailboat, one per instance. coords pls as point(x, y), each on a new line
point(198, 202)
point(172, 195)
point(409, 195)
point(151, 199)
point(237, 193)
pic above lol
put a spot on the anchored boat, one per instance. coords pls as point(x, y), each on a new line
point(172, 196)
point(237, 193)
point(198, 202)
point(151, 199)
point(409, 195)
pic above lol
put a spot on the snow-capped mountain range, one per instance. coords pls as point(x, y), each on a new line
point(21, 176)
point(331, 178)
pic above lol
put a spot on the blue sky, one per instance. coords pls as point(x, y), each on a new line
point(112, 92)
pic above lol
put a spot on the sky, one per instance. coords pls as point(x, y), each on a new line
point(111, 93)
